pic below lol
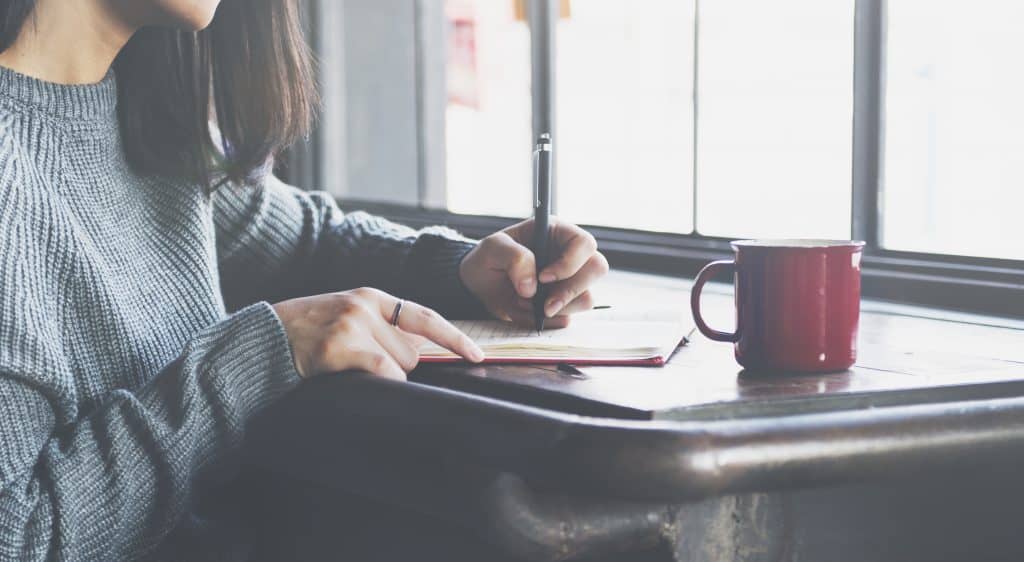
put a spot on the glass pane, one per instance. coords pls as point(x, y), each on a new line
point(775, 118)
point(954, 128)
point(488, 117)
point(625, 115)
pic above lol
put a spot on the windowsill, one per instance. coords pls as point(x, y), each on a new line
point(991, 289)
point(868, 305)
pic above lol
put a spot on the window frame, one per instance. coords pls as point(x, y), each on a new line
point(978, 285)
point(971, 284)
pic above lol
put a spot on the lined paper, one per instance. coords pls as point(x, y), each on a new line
point(610, 334)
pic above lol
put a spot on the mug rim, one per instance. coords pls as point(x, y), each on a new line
point(796, 243)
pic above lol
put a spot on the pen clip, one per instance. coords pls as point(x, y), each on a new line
point(536, 177)
point(543, 145)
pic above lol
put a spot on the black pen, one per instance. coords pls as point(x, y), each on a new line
point(542, 169)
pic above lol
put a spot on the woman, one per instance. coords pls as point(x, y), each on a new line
point(129, 229)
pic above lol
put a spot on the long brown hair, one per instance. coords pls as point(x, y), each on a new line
point(251, 70)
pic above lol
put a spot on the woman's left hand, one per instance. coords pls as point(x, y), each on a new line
point(502, 273)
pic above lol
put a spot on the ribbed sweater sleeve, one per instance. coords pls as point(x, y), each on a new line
point(275, 241)
point(111, 485)
point(125, 389)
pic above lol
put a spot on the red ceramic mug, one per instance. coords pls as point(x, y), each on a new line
point(797, 304)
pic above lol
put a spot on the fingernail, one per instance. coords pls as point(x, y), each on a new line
point(476, 354)
point(553, 307)
point(547, 277)
point(526, 287)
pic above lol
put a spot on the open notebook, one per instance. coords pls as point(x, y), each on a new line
point(613, 336)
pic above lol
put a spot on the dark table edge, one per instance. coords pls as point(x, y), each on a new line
point(330, 418)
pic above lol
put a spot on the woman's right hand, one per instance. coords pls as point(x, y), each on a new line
point(352, 330)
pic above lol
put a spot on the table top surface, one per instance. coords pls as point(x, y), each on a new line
point(906, 355)
point(926, 393)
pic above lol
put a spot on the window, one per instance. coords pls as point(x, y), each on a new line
point(488, 113)
point(954, 128)
point(774, 141)
point(775, 114)
point(624, 117)
point(682, 124)
point(610, 54)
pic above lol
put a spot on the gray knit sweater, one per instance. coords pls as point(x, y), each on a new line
point(125, 385)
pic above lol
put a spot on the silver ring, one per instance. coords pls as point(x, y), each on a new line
point(397, 312)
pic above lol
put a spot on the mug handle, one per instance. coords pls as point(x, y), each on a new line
point(698, 286)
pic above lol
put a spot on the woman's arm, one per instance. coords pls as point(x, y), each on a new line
point(276, 242)
point(110, 486)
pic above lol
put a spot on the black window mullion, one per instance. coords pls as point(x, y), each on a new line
point(868, 127)
point(543, 18)
point(696, 116)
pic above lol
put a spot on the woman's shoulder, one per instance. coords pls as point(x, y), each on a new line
point(26, 178)
point(22, 200)
point(18, 207)
point(26, 303)
point(9, 118)
point(11, 162)
point(24, 306)
point(13, 150)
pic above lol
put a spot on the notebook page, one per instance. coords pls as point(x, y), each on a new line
point(637, 322)
point(597, 334)
point(592, 335)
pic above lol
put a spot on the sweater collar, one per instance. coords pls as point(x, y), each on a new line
point(88, 102)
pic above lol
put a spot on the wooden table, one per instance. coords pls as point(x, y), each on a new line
point(913, 454)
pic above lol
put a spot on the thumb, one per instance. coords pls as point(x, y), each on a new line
point(515, 259)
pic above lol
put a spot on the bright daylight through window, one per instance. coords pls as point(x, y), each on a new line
point(620, 163)
point(775, 114)
point(774, 118)
point(953, 180)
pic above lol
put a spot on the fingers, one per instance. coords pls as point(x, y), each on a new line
point(420, 320)
point(414, 340)
point(399, 347)
point(515, 259)
point(522, 311)
point(582, 303)
point(524, 317)
point(577, 246)
point(564, 292)
point(375, 360)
